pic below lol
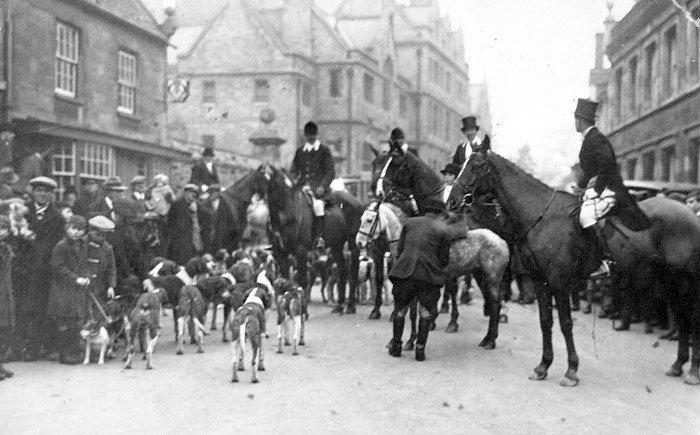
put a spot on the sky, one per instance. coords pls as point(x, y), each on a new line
point(535, 56)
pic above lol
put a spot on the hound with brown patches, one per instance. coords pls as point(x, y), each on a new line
point(249, 320)
point(143, 322)
point(191, 310)
point(291, 308)
point(95, 335)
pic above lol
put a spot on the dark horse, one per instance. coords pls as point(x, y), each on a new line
point(397, 175)
point(290, 227)
point(557, 251)
point(231, 216)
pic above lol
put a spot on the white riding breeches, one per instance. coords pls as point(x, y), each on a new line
point(596, 206)
point(319, 207)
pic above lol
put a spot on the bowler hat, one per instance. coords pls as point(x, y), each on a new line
point(451, 168)
point(113, 184)
point(469, 122)
point(208, 152)
point(396, 134)
point(433, 204)
point(44, 182)
point(310, 128)
point(101, 223)
point(586, 109)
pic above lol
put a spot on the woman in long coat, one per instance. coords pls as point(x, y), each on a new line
point(7, 302)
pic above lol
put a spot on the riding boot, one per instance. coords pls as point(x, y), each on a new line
point(606, 257)
point(396, 343)
point(422, 339)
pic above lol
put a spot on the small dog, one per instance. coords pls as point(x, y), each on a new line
point(95, 335)
point(144, 322)
point(190, 310)
point(292, 305)
point(366, 278)
point(249, 320)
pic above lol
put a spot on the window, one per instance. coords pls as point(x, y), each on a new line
point(388, 72)
point(631, 169)
point(618, 95)
point(367, 157)
point(694, 45)
point(632, 91)
point(648, 163)
point(97, 161)
point(306, 94)
point(669, 84)
point(435, 127)
point(650, 72)
point(67, 50)
point(262, 91)
point(336, 85)
point(208, 141)
point(403, 105)
point(127, 82)
point(208, 91)
point(63, 166)
point(694, 157)
point(369, 88)
point(668, 163)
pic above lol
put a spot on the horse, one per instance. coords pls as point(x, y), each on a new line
point(553, 244)
point(481, 250)
point(290, 232)
point(231, 215)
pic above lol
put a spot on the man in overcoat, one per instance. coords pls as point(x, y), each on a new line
point(31, 271)
point(471, 142)
point(182, 227)
point(420, 271)
point(603, 188)
point(204, 172)
point(314, 170)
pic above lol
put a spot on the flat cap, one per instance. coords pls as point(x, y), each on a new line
point(101, 223)
point(139, 179)
point(43, 181)
point(192, 187)
point(113, 183)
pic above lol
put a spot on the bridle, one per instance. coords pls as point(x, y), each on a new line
point(376, 224)
point(471, 188)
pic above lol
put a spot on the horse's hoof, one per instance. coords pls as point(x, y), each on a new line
point(503, 318)
point(279, 351)
point(350, 309)
point(692, 378)
point(127, 367)
point(488, 343)
point(452, 327)
point(234, 380)
point(409, 346)
point(241, 369)
point(225, 340)
point(179, 352)
point(674, 372)
point(286, 343)
point(149, 367)
point(622, 327)
point(261, 368)
point(295, 353)
point(302, 343)
point(338, 309)
point(569, 382)
point(375, 315)
point(200, 350)
point(538, 376)
point(192, 341)
point(254, 381)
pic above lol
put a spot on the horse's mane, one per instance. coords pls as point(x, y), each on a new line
point(517, 169)
point(426, 170)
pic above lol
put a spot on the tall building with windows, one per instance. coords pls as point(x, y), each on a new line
point(83, 84)
point(259, 70)
point(652, 103)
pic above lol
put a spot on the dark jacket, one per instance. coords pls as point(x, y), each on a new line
point(69, 262)
point(201, 175)
point(424, 249)
point(100, 268)
point(460, 157)
point(7, 302)
point(597, 159)
point(179, 231)
point(31, 268)
point(315, 168)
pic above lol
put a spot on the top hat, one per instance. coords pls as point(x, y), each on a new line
point(586, 109)
point(113, 184)
point(451, 168)
point(433, 204)
point(44, 182)
point(469, 122)
point(310, 128)
point(208, 152)
point(396, 134)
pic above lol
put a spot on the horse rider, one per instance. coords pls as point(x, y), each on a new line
point(471, 142)
point(314, 170)
point(420, 271)
point(602, 184)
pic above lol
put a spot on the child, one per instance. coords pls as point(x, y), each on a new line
point(161, 195)
point(101, 268)
point(68, 298)
point(7, 303)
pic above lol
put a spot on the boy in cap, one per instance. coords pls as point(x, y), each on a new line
point(314, 170)
point(101, 268)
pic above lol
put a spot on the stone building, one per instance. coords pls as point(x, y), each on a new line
point(652, 104)
point(259, 70)
point(83, 84)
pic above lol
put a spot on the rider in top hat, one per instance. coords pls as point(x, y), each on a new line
point(314, 170)
point(600, 177)
point(204, 171)
point(474, 142)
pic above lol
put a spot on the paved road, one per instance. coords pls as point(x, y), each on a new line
point(344, 382)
